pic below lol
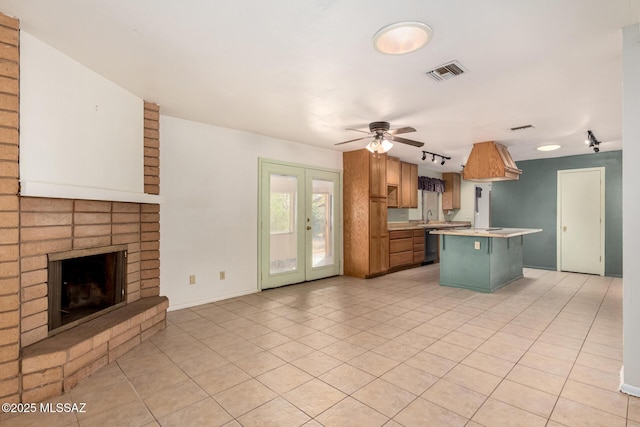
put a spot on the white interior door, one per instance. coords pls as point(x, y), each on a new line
point(581, 220)
point(299, 234)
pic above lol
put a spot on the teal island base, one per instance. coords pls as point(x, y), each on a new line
point(481, 261)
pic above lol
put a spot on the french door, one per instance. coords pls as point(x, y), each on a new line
point(299, 230)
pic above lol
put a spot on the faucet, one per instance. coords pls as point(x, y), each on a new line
point(428, 212)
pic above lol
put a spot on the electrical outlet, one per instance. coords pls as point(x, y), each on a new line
point(192, 279)
point(476, 246)
point(222, 275)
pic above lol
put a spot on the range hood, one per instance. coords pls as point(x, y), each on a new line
point(490, 161)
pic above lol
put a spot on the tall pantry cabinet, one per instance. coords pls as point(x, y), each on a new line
point(366, 239)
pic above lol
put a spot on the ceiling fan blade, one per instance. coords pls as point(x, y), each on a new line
point(407, 141)
point(352, 140)
point(405, 129)
point(358, 130)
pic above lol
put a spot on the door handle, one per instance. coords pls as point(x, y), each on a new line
point(564, 228)
point(308, 227)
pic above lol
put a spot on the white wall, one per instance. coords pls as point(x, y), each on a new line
point(77, 129)
point(208, 221)
point(631, 209)
point(467, 203)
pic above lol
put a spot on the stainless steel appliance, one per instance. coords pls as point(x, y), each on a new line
point(430, 247)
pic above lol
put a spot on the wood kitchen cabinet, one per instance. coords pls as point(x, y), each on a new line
point(400, 248)
point(402, 184)
point(408, 185)
point(393, 171)
point(393, 182)
point(413, 184)
point(406, 248)
point(451, 195)
point(418, 246)
point(366, 240)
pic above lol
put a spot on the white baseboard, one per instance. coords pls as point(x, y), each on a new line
point(627, 388)
point(209, 300)
point(630, 389)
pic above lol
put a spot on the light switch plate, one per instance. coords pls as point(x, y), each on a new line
point(192, 279)
point(476, 246)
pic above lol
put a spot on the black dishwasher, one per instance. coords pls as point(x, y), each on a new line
point(430, 247)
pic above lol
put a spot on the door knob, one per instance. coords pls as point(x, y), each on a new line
point(564, 228)
point(308, 227)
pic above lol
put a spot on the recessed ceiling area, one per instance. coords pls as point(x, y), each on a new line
point(306, 71)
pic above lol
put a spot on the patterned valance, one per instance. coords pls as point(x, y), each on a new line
point(430, 184)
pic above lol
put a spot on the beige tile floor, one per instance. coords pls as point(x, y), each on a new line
point(398, 350)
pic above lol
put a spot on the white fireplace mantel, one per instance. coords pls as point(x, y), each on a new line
point(61, 191)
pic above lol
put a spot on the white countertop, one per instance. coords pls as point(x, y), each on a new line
point(489, 232)
point(435, 225)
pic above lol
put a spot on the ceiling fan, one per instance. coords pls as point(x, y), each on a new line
point(382, 137)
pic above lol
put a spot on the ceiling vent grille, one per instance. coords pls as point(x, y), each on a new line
point(447, 71)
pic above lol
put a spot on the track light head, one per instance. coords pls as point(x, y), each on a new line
point(592, 141)
point(435, 158)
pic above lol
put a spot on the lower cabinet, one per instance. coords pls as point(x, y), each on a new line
point(418, 246)
point(406, 248)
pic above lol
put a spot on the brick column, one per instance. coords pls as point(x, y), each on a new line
point(151, 148)
point(9, 216)
point(150, 217)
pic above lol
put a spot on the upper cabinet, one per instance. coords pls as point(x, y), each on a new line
point(393, 171)
point(402, 184)
point(393, 182)
point(451, 195)
point(408, 185)
point(378, 169)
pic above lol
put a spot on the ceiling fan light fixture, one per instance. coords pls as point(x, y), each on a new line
point(386, 145)
point(379, 146)
point(402, 37)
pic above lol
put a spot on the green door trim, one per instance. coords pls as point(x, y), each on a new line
point(266, 165)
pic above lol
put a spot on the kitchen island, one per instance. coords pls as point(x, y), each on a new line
point(481, 259)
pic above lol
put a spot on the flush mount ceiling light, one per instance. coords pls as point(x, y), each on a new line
point(402, 37)
point(549, 147)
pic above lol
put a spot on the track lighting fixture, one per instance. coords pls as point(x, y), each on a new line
point(434, 157)
point(592, 141)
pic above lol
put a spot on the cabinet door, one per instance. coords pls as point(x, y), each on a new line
point(413, 184)
point(393, 171)
point(405, 185)
point(451, 195)
point(378, 175)
point(379, 238)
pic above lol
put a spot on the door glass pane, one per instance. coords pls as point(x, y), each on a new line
point(322, 223)
point(282, 223)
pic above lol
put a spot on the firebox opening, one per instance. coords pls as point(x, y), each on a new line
point(83, 285)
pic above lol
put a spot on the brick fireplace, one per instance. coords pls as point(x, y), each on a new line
point(34, 363)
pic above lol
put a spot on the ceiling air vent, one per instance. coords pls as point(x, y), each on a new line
point(446, 71)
